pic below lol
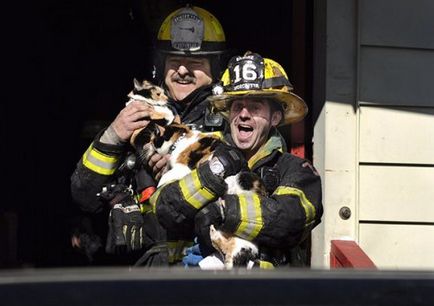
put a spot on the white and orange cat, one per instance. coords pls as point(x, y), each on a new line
point(188, 148)
point(154, 97)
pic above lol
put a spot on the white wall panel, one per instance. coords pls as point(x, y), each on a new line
point(400, 247)
point(397, 135)
point(396, 193)
point(337, 169)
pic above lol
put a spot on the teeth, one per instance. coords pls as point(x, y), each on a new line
point(245, 127)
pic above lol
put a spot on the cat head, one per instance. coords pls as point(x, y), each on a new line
point(147, 90)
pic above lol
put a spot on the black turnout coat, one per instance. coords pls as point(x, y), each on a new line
point(278, 222)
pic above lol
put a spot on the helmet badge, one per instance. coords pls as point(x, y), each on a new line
point(246, 72)
point(187, 30)
point(255, 77)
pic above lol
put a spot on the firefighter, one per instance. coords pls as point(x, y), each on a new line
point(190, 49)
point(256, 97)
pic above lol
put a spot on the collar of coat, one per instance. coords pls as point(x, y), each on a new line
point(275, 142)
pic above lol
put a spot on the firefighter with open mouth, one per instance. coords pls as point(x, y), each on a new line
point(255, 96)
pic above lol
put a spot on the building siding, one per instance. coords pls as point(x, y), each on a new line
point(382, 69)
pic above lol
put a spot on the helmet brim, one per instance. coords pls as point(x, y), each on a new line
point(190, 53)
point(207, 49)
point(294, 108)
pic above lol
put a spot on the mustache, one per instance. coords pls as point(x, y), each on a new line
point(185, 78)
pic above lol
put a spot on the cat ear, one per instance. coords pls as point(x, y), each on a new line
point(137, 85)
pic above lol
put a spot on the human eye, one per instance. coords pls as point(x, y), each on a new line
point(236, 107)
point(256, 108)
point(173, 62)
point(196, 63)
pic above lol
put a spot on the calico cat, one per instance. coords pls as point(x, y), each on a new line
point(235, 251)
point(188, 148)
point(165, 135)
point(154, 97)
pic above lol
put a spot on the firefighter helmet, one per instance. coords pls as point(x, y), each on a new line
point(191, 30)
point(251, 76)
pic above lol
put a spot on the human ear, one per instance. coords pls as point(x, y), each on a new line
point(276, 117)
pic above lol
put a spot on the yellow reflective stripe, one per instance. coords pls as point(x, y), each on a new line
point(308, 207)
point(154, 198)
point(193, 192)
point(265, 265)
point(176, 249)
point(251, 216)
point(218, 134)
point(99, 162)
point(274, 143)
point(145, 208)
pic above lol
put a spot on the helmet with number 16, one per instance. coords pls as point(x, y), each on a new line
point(252, 76)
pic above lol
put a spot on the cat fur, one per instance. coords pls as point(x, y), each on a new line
point(188, 148)
point(154, 97)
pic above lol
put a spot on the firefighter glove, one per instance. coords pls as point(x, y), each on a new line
point(231, 158)
point(126, 229)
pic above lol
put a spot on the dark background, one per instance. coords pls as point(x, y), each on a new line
point(68, 66)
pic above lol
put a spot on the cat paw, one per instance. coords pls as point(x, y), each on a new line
point(229, 264)
point(218, 241)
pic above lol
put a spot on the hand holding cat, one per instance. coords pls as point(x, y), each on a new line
point(158, 164)
point(232, 159)
point(131, 118)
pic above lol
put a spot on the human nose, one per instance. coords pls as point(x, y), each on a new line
point(244, 112)
point(182, 70)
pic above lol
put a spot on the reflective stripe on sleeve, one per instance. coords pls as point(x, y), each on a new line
point(308, 207)
point(99, 162)
point(193, 192)
point(154, 198)
point(251, 216)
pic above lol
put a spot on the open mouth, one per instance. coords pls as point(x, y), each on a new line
point(245, 131)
